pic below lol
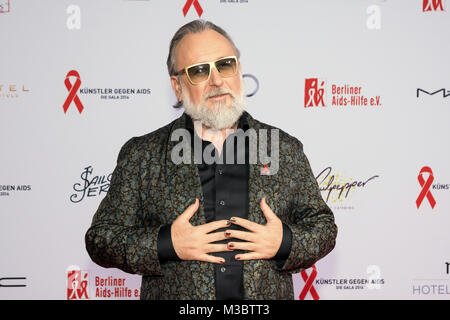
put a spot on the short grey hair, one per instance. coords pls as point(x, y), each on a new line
point(195, 26)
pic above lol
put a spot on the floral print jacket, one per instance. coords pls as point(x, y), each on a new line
point(148, 191)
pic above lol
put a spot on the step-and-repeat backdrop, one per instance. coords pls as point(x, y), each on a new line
point(364, 84)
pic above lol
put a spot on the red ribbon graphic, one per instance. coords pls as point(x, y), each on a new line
point(197, 7)
point(309, 284)
point(72, 91)
point(425, 187)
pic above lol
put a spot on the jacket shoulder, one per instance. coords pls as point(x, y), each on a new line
point(286, 139)
point(150, 144)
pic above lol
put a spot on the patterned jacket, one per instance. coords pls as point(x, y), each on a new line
point(148, 191)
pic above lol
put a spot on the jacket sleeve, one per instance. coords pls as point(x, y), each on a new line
point(313, 229)
point(285, 247)
point(118, 236)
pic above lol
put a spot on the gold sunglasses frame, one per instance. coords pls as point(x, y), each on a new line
point(212, 64)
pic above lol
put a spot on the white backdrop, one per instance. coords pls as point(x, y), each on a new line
point(387, 247)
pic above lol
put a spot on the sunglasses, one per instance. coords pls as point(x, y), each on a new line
point(201, 72)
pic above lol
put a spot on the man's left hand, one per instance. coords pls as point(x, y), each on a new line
point(263, 241)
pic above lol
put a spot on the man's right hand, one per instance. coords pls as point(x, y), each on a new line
point(195, 242)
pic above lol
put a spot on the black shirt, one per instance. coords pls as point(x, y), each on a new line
point(225, 194)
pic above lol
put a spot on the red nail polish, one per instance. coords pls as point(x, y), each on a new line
point(231, 245)
point(227, 233)
point(237, 258)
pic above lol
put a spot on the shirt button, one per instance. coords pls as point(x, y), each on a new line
point(222, 203)
point(223, 269)
point(220, 171)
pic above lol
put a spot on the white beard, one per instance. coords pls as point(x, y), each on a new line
point(221, 116)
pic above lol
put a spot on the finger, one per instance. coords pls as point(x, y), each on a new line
point(247, 224)
point(190, 211)
point(248, 256)
point(250, 246)
point(216, 236)
point(210, 258)
point(217, 248)
point(211, 226)
point(243, 235)
point(268, 213)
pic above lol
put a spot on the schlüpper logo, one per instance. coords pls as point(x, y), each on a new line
point(314, 92)
point(336, 188)
point(432, 5)
point(197, 7)
point(73, 90)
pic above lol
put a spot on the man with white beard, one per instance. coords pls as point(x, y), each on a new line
point(201, 230)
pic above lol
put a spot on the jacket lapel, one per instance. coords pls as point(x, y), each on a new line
point(259, 185)
point(183, 180)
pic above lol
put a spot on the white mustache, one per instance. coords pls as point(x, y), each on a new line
point(218, 92)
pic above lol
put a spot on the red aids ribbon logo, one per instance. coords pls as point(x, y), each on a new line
point(197, 7)
point(73, 89)
point(77, 285)
point(425, 187)
point(314, 92)
point(309, 284)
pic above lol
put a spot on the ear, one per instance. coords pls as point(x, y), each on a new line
point(176, 86)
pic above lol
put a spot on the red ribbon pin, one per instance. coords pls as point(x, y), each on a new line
point(265, 170)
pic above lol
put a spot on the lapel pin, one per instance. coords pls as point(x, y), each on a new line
point(265, 170)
